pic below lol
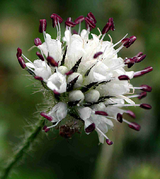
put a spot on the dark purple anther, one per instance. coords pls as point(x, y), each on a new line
point(46, 129)
point(42, 25)
point(140, 58)
point(90, 23)
point(56, 93)
point(131, 113)
point(21, 62)
point(70, 23)
point(109, 142)
point(55, 19)
point(142, 95)
point(69, 72)
point(119, 118)
point(46, 116)
point(111, 23)
point(40, 56)
point(145, 106)
point(19, 52)
point(79, 19)
point(139, 54)
point(38, 78)
point(52, 61)
point(123, 77)
point(142, 72)
point(129, 62)
point(108, 26)
point(127, 42)
point(134, 126)
point(103, 113)
point(146, 88)
point(132, 39)
point(37, 41)
point(90, 128)
point(92, 17)
point(97, 54)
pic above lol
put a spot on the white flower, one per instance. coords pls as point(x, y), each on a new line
point(52, 48)
point(40, 69)
point(89, 80)
point(57, 82)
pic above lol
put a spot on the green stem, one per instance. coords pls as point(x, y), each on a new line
point(23, 148)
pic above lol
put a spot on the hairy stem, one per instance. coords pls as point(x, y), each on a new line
point(23, 148)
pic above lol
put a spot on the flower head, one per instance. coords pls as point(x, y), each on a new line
point(87, 79)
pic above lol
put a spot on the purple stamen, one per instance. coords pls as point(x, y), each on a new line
point(103, 113)
point(56, 16)
point(127, 42)
point(69, 72)
point(119, 118)
point(79, 19)
point(46, 116)
point(108, 26)
point(37, 41)
point(21, 62)
point(134, 126)
point(132, 39)
point(46, 129)
point(146, 88)
point(70, 23)
point(142, 95)
point(19, 52)
point(142, 72)
point(123, 77)
point(131, 113)
point(56, 93)
point(139, 54)
point(109, 142)
point(90, 128)
point(92, 17)
point(97, 54)
point(38, 78)
point(140, 58)
point(129, 62)
point(145, 106)
point(42, 25)
point(40, 56)
point(55, 19)
point(90, 23)
point(52, 61)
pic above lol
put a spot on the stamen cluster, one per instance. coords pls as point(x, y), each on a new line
point(86, 78)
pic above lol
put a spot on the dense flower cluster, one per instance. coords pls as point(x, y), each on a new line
point(86, 77)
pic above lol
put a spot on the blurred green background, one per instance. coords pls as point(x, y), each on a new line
point(134, 155)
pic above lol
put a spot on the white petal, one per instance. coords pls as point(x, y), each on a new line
point(76, 95)
point(99, 77)
point(92, 96)
point(61, 111)
point(85, 113)
point(57, 82)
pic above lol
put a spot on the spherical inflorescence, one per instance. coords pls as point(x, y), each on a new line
point(86, 78)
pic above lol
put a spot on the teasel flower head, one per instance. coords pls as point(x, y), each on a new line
point(89, 83)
